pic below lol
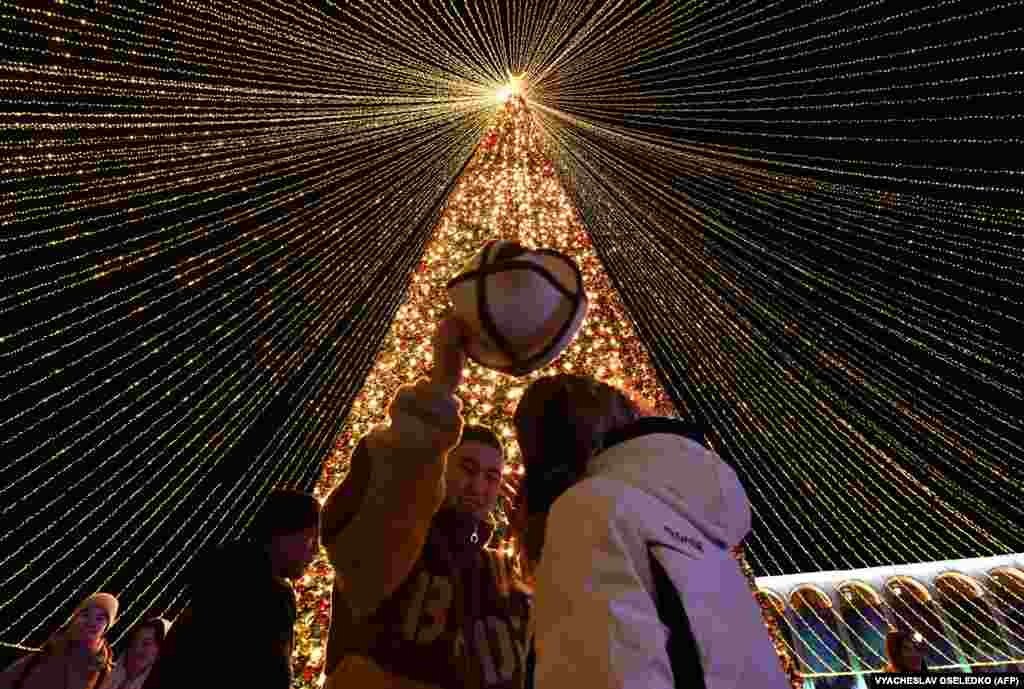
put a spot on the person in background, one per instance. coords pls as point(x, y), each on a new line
point(239, 626)
point(133, 666)
point(629, 523)
point(418, 601)
point(77, 656)
point(903, 652)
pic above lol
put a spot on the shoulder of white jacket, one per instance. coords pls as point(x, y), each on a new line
point(623, 507)
point(610, 493)
point(627, 508)
point(592, 495)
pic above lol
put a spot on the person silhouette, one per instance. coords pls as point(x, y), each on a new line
point(76, 656)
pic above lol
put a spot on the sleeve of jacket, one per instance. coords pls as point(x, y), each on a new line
point(596, 624)
point(375, 523)
point(14, 671)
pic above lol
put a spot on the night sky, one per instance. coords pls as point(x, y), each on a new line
point(812, 211)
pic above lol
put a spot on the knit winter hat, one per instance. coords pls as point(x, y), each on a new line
point(103, 601)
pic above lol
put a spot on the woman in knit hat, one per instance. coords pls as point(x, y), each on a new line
point(134, 664)
point(77, 656)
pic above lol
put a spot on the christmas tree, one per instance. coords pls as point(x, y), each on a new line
point(510, 190)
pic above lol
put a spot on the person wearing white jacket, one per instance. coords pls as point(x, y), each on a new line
point(628, 523)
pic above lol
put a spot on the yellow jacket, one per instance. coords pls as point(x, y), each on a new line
point(375, 523)
point(418, 602)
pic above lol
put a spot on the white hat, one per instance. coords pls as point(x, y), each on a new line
point(523, 306)
point(105, 602)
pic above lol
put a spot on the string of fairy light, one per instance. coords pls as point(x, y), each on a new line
point(640, 258)
point(992, 650)
point(239, 158)
point(811, 212)
point(600, 139)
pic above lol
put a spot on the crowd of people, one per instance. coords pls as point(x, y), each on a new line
point(626, 522)
point(78, 655)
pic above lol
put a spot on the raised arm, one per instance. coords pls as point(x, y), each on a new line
point(375, 523)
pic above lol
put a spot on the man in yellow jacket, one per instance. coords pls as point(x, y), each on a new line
point(418, 601)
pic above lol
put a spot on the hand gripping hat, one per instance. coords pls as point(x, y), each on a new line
point(523, 306)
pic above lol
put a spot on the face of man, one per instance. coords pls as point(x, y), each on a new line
point(474, 478)
point(294, 551)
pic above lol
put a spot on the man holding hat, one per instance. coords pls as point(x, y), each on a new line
point(419, 602)
point(239, 627)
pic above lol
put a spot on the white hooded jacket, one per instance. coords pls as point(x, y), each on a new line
point(654, 504)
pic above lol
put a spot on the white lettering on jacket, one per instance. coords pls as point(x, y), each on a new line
point(688, 541)
point(500, 650)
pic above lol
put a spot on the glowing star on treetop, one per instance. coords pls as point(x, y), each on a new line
point(515, 87)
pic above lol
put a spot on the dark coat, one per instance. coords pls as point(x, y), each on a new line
point(237, 631)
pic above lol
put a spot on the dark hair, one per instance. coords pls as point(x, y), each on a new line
point(152, 623)
point(285, 511)
point(482, 435)
point(560, 424)
point(894, 641)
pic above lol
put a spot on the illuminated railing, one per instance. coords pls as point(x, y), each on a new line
point(935, 668)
